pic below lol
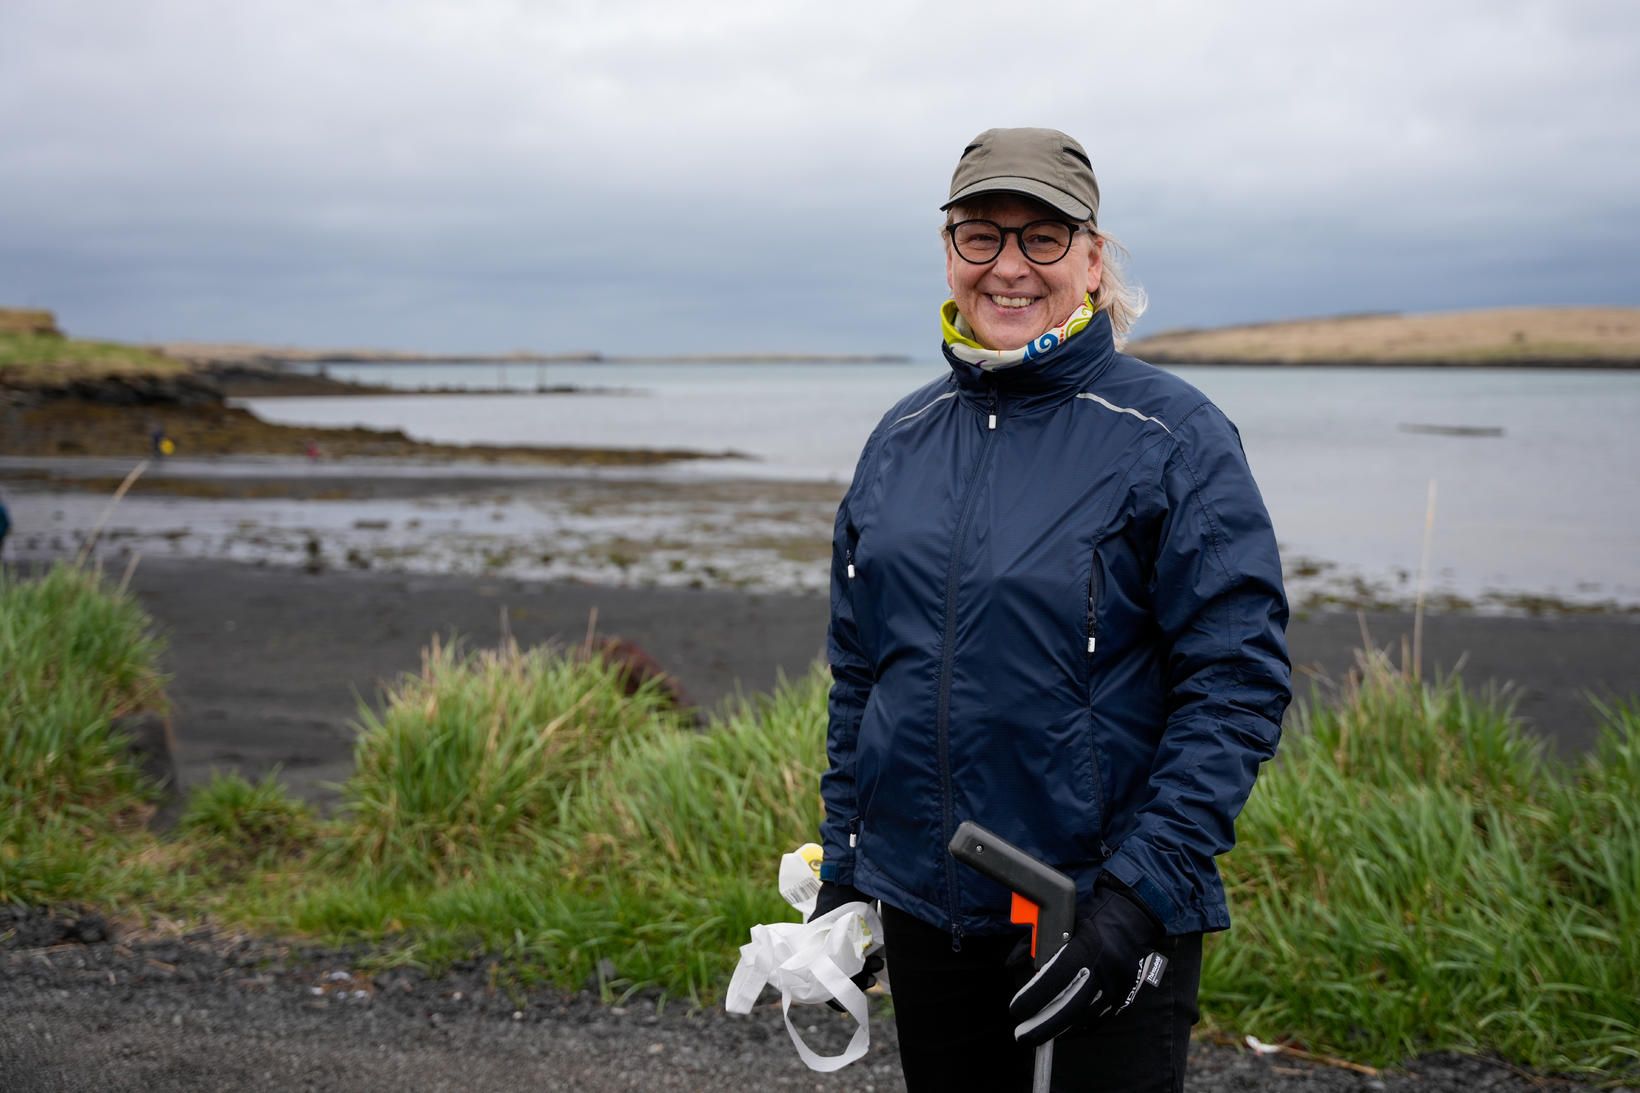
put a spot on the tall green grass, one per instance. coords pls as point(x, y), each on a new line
point(681, 837)
point(479, 754)
point(659, 858)
point(1413, 874)
point(75, 654)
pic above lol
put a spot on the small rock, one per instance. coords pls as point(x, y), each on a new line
point(89, 929)
point(601, 974)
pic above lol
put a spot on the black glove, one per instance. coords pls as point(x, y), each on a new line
point(832, 896)
point(1098, 972)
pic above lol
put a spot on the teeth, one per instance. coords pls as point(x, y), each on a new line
point(1012, 301)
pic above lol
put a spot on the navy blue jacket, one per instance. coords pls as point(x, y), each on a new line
point(1056, 610)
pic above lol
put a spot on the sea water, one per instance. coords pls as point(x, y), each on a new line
point(1536, 473)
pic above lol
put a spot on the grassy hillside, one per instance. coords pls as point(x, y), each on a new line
point(1539, 336)
point(34, 350)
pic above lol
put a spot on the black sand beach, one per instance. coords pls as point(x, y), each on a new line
point(269, 664)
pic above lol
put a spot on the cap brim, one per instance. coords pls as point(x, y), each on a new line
point(1029, 187)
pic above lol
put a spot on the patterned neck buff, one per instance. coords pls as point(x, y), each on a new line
point(963, 346)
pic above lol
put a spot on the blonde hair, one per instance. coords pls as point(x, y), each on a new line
point(1124, 301)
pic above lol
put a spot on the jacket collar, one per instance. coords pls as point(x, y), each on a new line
point(1055, 376)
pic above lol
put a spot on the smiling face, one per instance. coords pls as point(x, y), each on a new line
point(1010, 301)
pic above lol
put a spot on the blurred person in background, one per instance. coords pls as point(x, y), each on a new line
point(1056, 610)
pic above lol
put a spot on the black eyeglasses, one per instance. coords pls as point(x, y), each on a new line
point(1042, 241)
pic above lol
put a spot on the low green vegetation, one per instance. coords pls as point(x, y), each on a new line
point(233, 823)
point(1413, 873)
point(481, 754)
point(31, 357)
point(73, 659)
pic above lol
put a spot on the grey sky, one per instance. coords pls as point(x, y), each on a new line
point(765, 175)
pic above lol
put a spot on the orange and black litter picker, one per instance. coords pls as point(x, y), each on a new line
point(1043, 897)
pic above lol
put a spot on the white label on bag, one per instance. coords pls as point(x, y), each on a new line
point(800, 878)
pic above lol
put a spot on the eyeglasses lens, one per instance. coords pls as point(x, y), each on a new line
point(1043, 241)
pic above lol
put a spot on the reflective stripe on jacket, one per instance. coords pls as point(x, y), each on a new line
point(1056, 610)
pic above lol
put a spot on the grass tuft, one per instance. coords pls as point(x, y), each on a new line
point(75, 654)
point(479, 753)
point(657, 863)
point(236, 822)
point(681, 837)
point(1413, 875)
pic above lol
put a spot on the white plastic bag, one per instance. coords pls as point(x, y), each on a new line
point(810, 962)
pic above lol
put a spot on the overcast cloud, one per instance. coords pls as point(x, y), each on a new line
point(738, 176)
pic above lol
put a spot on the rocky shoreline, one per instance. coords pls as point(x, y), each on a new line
point(121, 415)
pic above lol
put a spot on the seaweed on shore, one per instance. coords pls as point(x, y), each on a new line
point(81, 427)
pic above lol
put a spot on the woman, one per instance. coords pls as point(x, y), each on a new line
point(1057, 611)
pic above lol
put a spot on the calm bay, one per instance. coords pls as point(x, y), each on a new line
point(1537, 472)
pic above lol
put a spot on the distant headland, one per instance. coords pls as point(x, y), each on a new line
point(1517, 337)
point(34, 351)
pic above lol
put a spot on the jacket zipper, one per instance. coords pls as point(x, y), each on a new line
point(1095, 589)
point(942, 720)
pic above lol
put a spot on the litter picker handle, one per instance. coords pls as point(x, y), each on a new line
point(1042, 895)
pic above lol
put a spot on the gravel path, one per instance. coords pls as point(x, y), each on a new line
point(83, 1010)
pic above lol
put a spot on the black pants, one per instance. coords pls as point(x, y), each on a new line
point(951, 1014)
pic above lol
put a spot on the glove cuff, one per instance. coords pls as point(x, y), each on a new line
point(1130, 899)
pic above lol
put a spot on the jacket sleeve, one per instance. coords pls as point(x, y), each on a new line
point(851, 685)
point(1222, 612)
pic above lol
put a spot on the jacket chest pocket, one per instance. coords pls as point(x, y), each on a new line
point(1096, 591)
point(1116, 615)
point(862, 604)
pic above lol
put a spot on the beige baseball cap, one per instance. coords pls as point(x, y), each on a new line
point(1044, 164)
